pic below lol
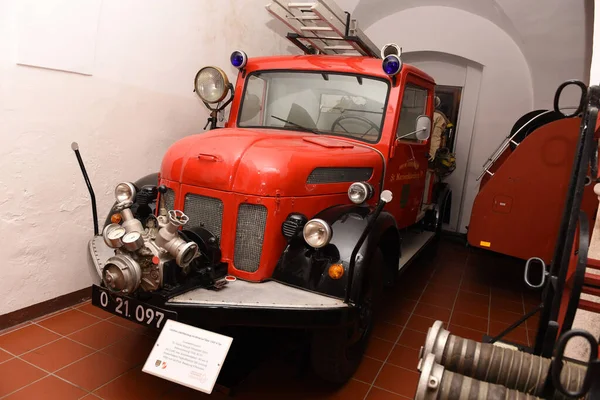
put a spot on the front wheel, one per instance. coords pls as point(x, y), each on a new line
point(336, 353)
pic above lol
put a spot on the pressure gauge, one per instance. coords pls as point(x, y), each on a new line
point(133, 241)
point(113, 234)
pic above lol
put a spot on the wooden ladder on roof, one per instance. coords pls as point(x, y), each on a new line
point(322, 27)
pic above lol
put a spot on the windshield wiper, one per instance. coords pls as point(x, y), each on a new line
point(296, 125)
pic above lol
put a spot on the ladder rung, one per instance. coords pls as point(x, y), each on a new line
point(594, 291)
point(325, 38)
point(590, 306)
point(301, 5)
point(591, 279)
point(593, 263)
point(307, 18)
point(281, 13)
point(317, 28)
point(339, 48)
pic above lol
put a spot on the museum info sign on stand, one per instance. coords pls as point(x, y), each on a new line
point(188, 356)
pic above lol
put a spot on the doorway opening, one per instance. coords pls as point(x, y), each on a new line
point(450, 97)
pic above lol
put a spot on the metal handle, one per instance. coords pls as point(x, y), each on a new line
point(557, 363)
point(75, 148)
point(582, 98)
point(209, 157)
point(544, 272)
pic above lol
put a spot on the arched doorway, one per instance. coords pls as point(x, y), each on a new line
point(454, 76)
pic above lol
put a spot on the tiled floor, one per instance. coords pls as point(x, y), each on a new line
point(85, 353)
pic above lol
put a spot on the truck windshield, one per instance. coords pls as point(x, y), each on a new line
point(322, 103)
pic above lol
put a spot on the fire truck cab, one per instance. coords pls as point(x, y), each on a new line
point(313, 195)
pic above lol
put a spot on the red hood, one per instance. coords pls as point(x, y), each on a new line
point(264, 162)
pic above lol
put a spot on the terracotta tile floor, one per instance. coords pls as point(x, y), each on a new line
point(85, 353)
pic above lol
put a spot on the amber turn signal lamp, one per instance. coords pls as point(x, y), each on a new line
point(336, 271)
point(116, 218)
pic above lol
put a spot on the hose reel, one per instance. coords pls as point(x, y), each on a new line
point(436, 382)
point(454, 368)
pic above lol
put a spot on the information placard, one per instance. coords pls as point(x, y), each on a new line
point(189, 356)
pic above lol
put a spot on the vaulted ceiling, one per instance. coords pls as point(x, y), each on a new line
point(555, 36)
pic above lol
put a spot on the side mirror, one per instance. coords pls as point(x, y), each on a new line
point(423, 127)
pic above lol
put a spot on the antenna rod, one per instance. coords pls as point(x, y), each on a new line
point(75, 148)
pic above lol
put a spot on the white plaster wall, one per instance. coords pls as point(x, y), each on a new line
point(506, 86)
point(138, 101)
point(555, 38)
point(447, 70)
point(595, 63)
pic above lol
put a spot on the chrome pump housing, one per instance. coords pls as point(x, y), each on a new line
point(141, 253)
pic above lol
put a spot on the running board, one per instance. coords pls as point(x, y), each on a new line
point(412, 244)
point(268, 294)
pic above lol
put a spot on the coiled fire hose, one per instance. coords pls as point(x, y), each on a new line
point(436, 383)
point(483, 361)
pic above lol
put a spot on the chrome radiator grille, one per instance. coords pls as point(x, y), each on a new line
point(169, 199)
point(206, 212)
point(249, 235)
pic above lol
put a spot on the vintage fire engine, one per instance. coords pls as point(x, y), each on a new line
point(284, 217)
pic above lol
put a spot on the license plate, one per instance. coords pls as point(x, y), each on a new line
point(131, 308)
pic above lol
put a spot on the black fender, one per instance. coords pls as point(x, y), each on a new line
point(302, 266)
point(150, 179)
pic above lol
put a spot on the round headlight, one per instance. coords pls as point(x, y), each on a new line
point(124, 191)
point(238, 59)
point(211, 84)
point(359, 192)
point(317, 233)
point(391, 64)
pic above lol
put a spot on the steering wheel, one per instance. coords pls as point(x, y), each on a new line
point(372, 125)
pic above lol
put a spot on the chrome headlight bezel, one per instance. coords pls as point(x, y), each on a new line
point(359, 192)
point(125, 191)
point(323, 229)
point(218, 80)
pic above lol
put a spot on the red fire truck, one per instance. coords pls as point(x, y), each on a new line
point(295, 213)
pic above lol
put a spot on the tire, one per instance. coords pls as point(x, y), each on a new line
point(336, 353)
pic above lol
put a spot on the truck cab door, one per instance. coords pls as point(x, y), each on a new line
point(409, 156)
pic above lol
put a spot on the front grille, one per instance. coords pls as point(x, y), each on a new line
point(206, 212)
point(169, 199)
point(338, 175)
point(249, 236)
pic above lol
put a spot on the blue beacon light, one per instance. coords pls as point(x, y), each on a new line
point(238, 59)
point(391, 64)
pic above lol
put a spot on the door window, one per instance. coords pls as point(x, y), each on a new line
point(254, 99)
point(414, 104)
